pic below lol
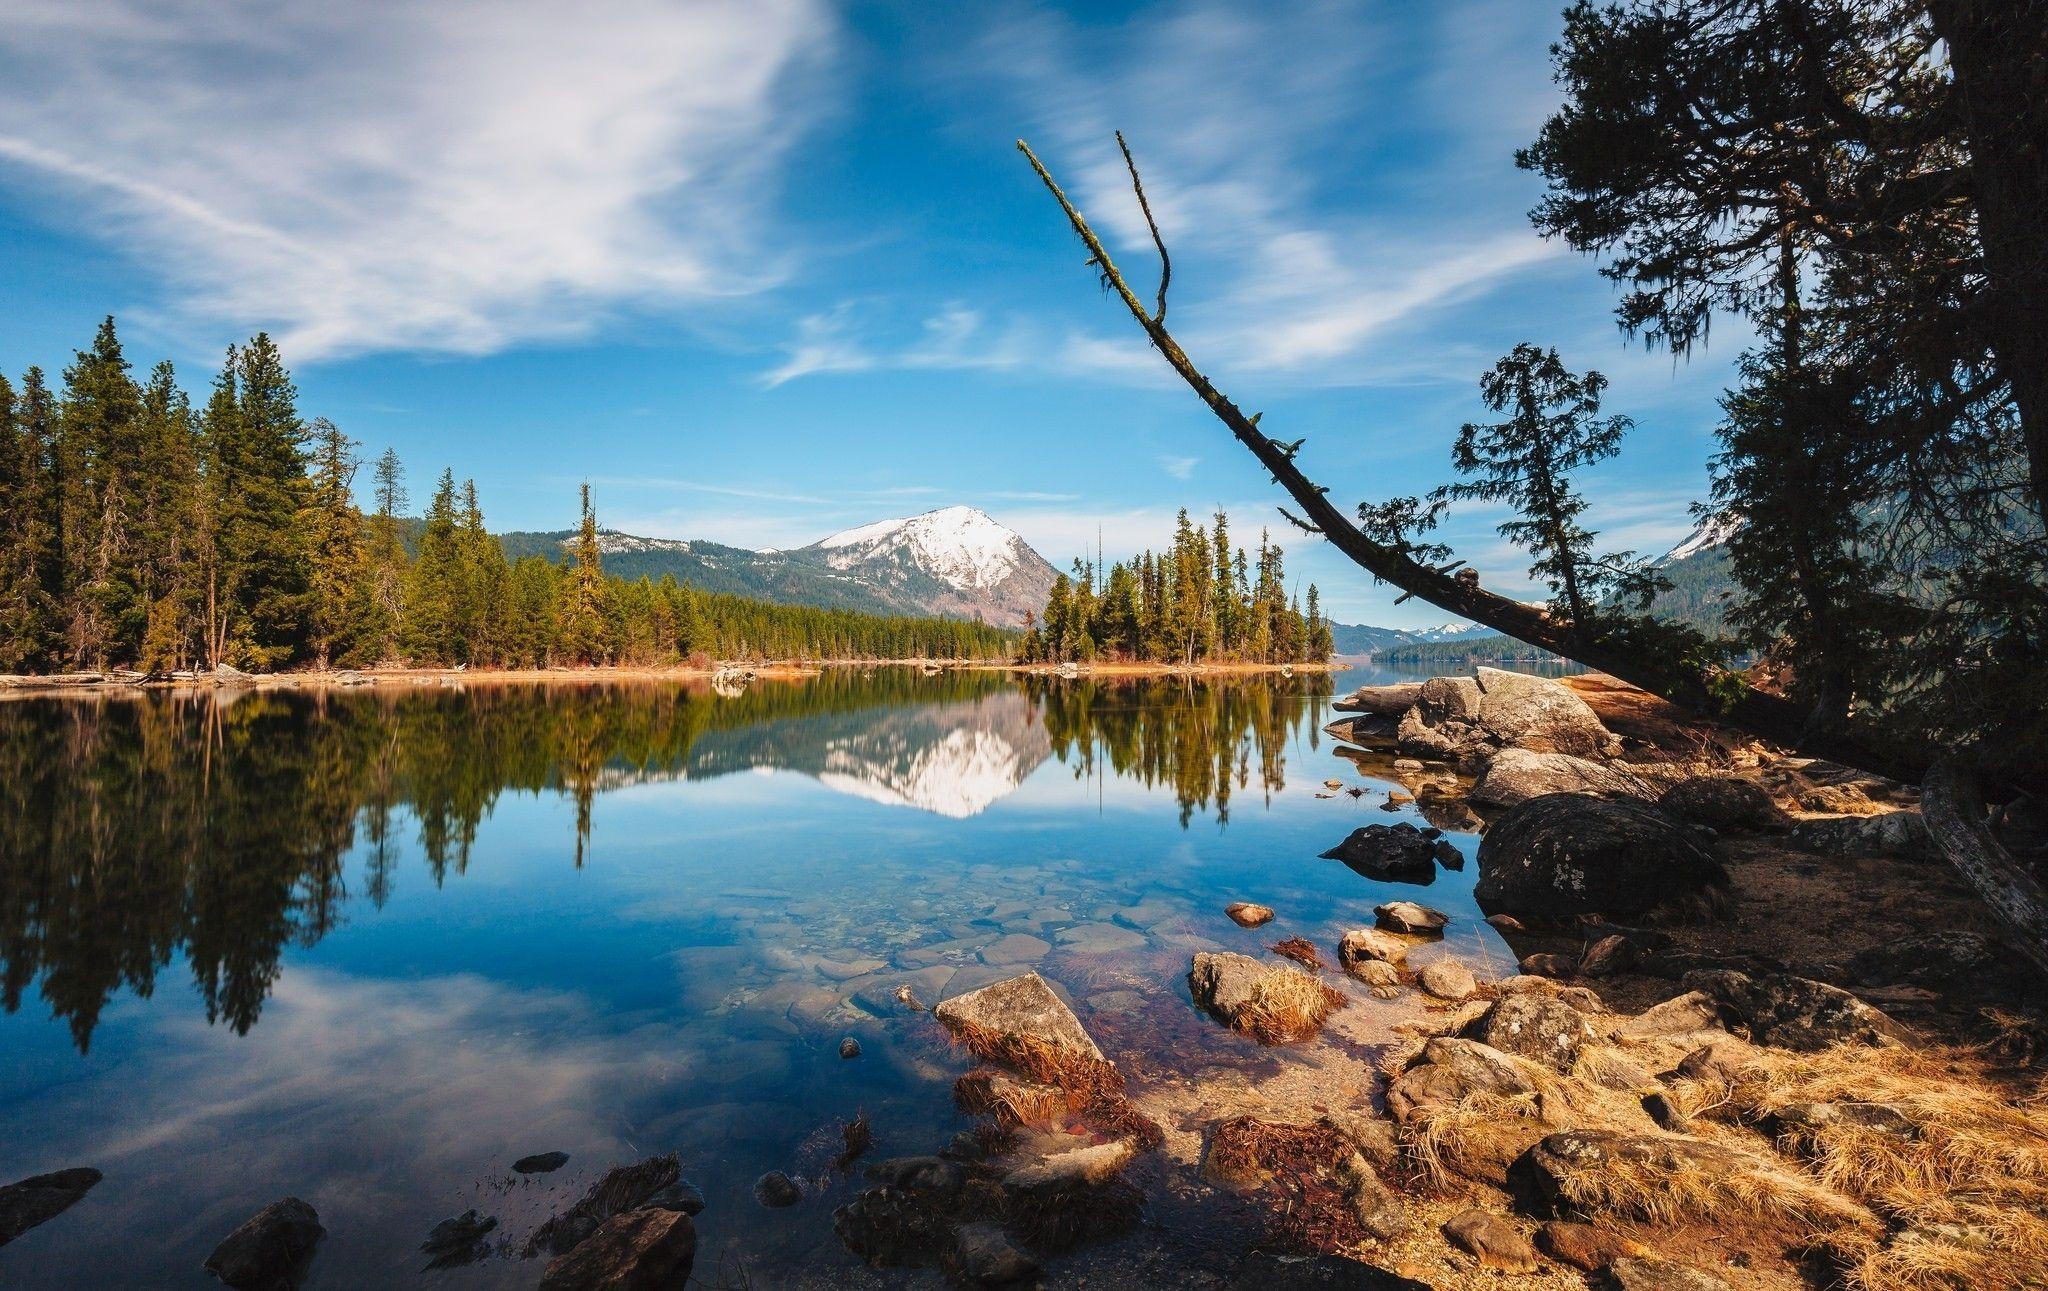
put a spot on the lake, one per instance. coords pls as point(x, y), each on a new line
point(367, 947)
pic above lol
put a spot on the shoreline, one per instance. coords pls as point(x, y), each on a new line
point(16, 686)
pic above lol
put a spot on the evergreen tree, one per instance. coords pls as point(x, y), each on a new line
point(387, 558)
point(257, 489)
point(1553, 428)
point(341, 618)
point(24, 608)
point(170, 529)
point(100, 437)
point(434, 590)
point(583, 635)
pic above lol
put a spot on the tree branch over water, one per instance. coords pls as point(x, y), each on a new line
point(1648, 664)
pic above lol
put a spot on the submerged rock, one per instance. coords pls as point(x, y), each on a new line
point(1248, 914)
point(1516, 775)
point(1571, 854)
point(623, 1188)
point(849, 1048)
point(777, 1190)
point(42, 1197)
point(983, 1256)
point(643, 1250)
point(459, 1240)
point(541, 1163)
point(271, 1250)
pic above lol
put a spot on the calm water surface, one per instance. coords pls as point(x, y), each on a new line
point(368, 948)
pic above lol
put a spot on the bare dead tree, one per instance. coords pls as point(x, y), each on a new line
point(1687, 683)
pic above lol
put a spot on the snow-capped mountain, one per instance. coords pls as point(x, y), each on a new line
point(1452, 631)
point(1360, 638)
point(956, 561)
point(1708, 534)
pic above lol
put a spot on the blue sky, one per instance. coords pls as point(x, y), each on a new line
point(761, 270)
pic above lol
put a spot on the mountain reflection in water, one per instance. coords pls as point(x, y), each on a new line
point(221, 827)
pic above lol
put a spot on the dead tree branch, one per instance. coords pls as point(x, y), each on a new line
point(1678, 680)
point(1165, 261)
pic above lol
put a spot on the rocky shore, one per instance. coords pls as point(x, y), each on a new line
point(1757, 1037)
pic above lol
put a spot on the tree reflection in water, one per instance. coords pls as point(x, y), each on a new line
point(138, 826)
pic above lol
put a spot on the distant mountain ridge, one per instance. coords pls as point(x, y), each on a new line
point(1361, 638)
point(955, 562)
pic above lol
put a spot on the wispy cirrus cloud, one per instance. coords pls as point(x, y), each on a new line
point(460, 176)
point(954, 337)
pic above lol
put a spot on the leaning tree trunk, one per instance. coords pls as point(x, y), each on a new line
point(1998, 50)
point(1683, 683)
point(1953, 807)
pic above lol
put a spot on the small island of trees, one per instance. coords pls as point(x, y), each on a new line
point(1199, 601)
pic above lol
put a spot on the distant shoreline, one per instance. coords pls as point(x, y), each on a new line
point(29, 686)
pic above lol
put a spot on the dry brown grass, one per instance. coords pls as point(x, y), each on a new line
point(1301, 1168)
point(1035, 1060)
point(1287, 1006)
point(1302, 951)
point(1965, 1180)
point(988, 1092)
point(1741, 1185)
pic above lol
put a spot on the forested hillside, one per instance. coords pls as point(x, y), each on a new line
point(137, 530)
point(1200, 600)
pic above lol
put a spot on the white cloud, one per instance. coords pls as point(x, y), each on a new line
point(457, 176)
point(1180, 468)
point(953, 338)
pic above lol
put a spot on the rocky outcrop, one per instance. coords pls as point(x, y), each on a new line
point(1270, 1003)
point(1724, 803)
point(642, 1250)
point(271, 1249)
point(1789, 1012)
point(1571, 854)
point(1268, 1271)
point(1517, 775)
point(1466, 719)
point(41, 1198)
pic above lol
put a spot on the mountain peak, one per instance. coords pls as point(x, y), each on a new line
point(961, 546)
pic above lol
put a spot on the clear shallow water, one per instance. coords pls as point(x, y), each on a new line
point(368, 948)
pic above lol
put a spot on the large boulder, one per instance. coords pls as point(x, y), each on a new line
point(1464, 719)
point(1516, 775)
point(1570, 854)
point(1787, 1012)
point(271, 1249)
point(1899, 834)
point(42, 1197)
point(1726, 803)
point(642, 1250)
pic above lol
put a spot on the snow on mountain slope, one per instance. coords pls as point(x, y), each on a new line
point(1706, 535)
point(961, 546)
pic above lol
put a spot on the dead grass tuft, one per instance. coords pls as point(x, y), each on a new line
point(1287, 1006)
point(859, 1135)
point(1035, 1060)
point(1739, 1186)
point(1302, 951)
point(1060, 1219)
point(986, 1091)
point(1300, 1166)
